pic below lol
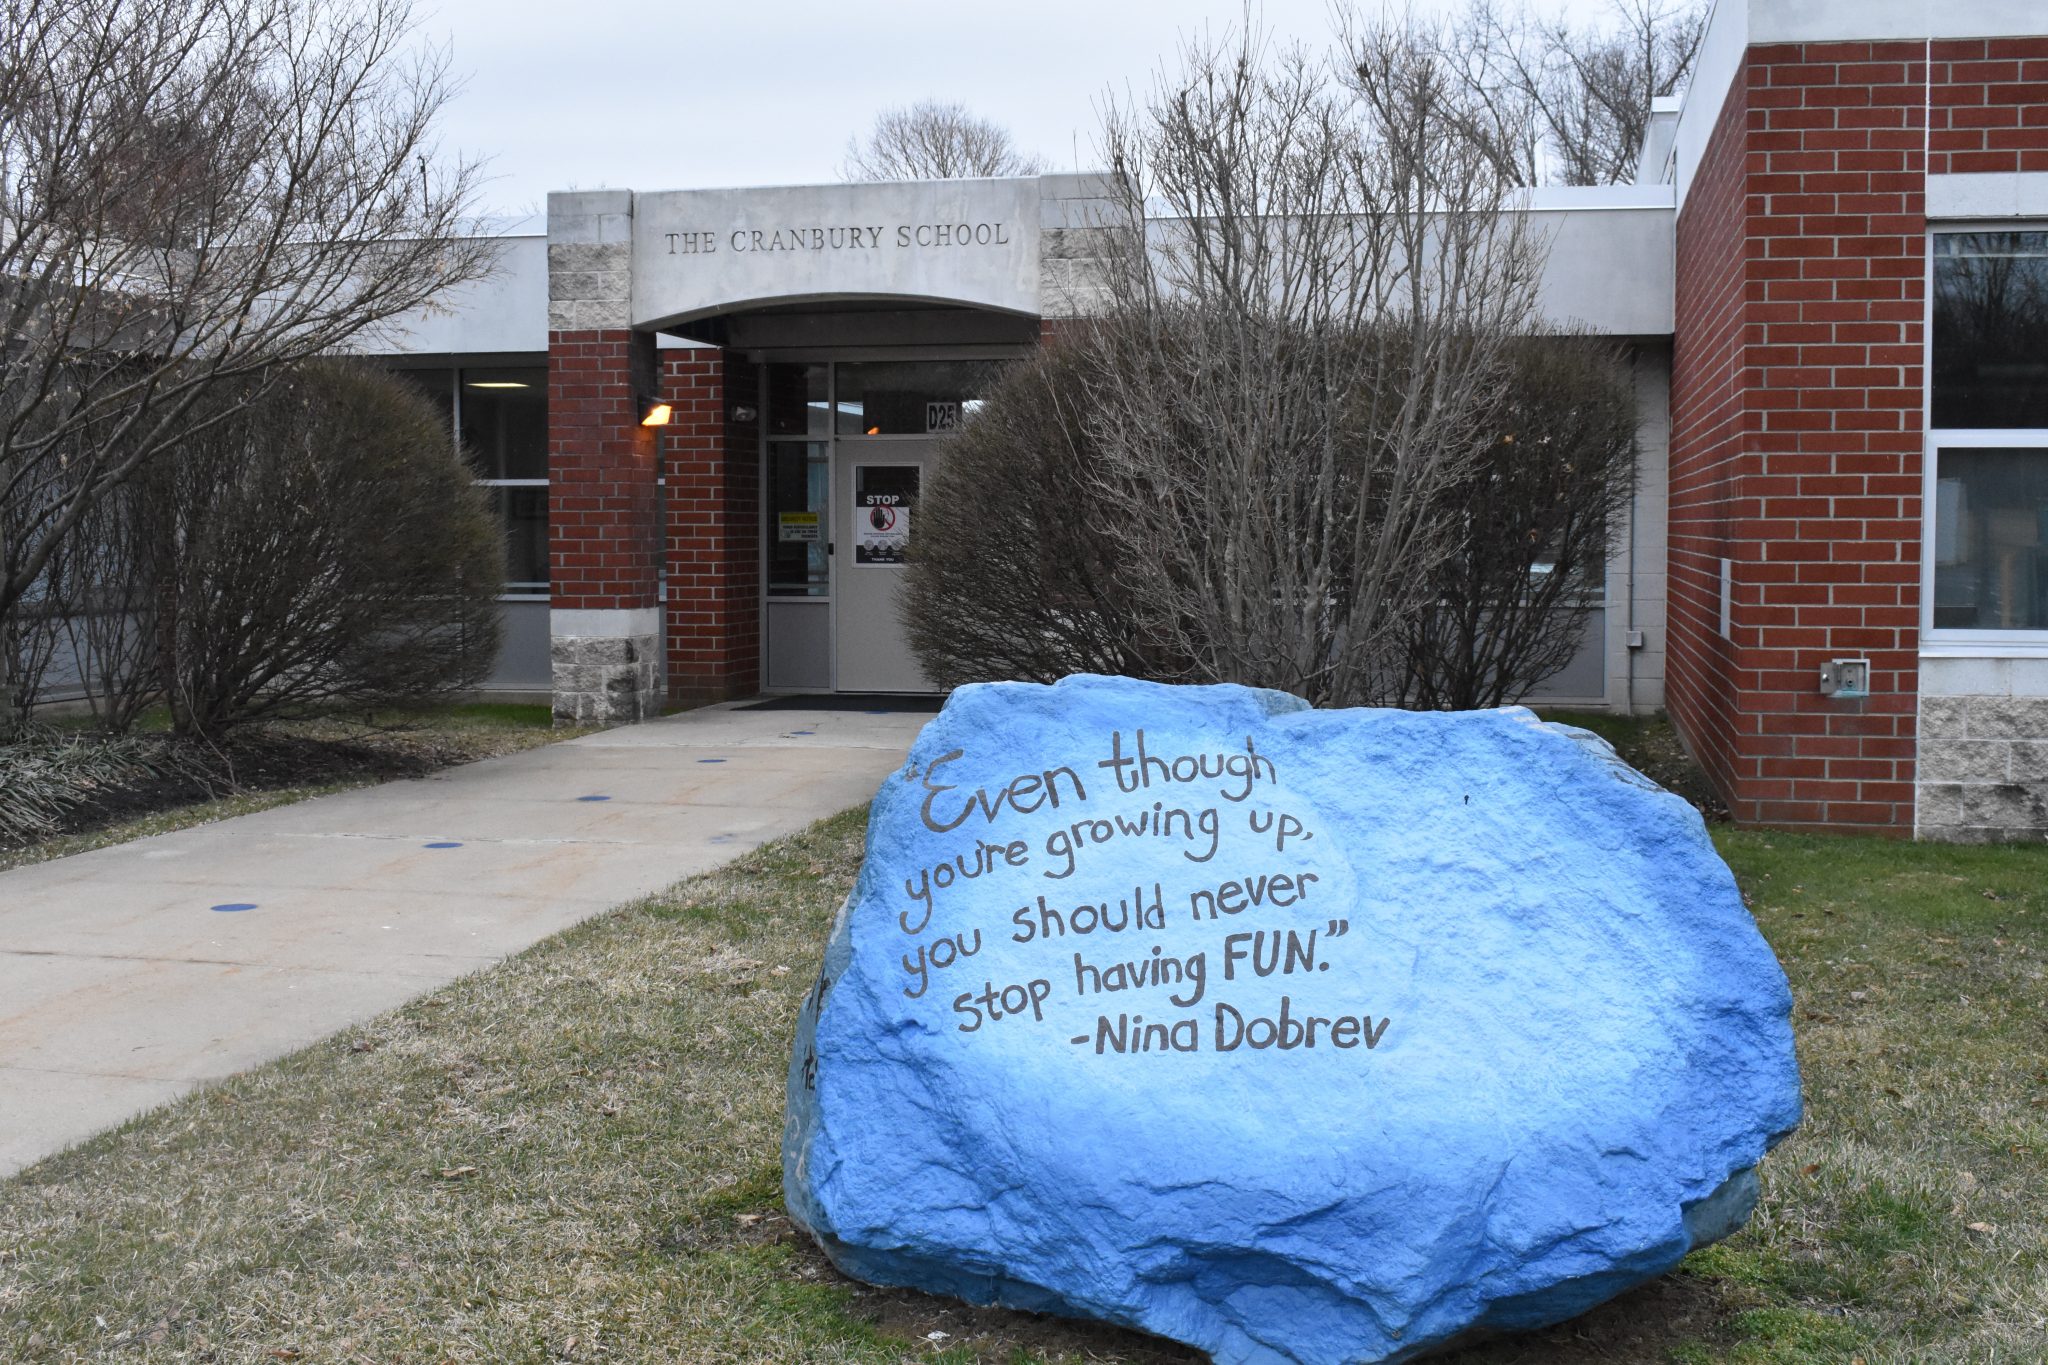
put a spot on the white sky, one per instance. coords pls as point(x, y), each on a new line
point(674, 94)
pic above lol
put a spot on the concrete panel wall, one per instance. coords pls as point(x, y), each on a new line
point(1634, 681)
point(1610, 258)
point(523, 666)
point(507, 311)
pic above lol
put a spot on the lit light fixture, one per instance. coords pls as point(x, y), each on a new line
point(874, 431)
point(496, 384)
point(657, 415)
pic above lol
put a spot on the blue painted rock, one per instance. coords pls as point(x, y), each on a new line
point(1293, 1035)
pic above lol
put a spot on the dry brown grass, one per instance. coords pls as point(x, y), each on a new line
point(574, 1157)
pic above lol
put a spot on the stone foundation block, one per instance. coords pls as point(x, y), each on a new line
point(607, 680)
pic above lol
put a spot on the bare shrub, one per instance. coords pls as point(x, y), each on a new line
point(1014, 572)
point(1316, 440)
point(331, 549)
point(1297, 358)
point(1534, 518)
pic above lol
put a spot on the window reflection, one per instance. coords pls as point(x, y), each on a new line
point(523, 512)
point(1990, 330)
point(797, 401)
point(798, 474)
point(505, 422)
point(911, 397)
point(1991, 540)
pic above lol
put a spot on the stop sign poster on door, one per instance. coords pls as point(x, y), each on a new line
point(883, 498)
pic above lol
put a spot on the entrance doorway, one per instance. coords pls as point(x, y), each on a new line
point(849, 450)
point(878, 481)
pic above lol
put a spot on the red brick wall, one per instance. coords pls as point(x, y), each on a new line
point(1796, 450)
point(1708, 438)
point(714, 512)
point(1990, 105)
point(603, 503)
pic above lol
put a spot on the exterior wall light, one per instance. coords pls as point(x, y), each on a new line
point(657, 415)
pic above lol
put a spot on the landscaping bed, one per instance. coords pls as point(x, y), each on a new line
point(575, 1156)
point(178, 783)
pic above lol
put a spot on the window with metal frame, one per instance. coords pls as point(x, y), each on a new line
point(1985, 579)
point(498, 418)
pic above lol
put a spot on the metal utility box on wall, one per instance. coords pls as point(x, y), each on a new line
point(1845, 679)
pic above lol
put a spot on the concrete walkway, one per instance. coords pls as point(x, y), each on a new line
point(125, 980)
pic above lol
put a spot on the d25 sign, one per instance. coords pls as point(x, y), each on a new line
point(1295, 1035)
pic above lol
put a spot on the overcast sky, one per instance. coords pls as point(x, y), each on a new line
point(676, 94)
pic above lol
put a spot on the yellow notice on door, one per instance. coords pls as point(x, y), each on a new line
point(800, 527)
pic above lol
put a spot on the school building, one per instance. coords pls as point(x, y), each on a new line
point(1831, 273)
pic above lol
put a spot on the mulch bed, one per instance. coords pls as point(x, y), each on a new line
point(266, 758)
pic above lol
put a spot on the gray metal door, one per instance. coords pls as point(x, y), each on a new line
point(876, 484)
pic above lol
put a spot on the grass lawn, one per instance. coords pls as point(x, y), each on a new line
point(573, 1157)
point(289, 760)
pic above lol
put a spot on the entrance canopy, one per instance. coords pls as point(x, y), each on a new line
point(663, 260)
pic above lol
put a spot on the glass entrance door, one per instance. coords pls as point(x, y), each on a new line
point(796, 490)
point(847, 451)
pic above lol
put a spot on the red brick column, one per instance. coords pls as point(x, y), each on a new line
point(713, 527)
point(603, 527)
point(1796, 453)
point(1709, 433)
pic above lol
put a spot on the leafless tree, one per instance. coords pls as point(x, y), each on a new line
point(194, 194)
point(1564, 103)
point(1310, 334)
point(934, 140)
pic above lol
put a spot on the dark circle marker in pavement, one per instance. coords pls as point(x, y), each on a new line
point(445, 843)
point(231, 906)
point(593, 798)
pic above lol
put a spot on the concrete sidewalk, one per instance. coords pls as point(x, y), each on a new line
point(126, 980)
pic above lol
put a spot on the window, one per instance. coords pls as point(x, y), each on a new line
point(911, 397)
point(1987, 492)
point(498, 416)
point(798, 474)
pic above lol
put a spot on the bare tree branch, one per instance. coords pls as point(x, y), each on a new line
point(1559, 103)
point(195, 193)
point(1310, 284)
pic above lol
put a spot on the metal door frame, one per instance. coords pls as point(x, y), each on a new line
point(832, 360)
